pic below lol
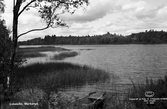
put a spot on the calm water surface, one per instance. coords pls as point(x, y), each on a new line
point(127, 62)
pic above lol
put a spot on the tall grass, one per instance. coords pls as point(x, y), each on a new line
point(159, 87)
point(42, 49)
point(39, 83)
point(64, 55)
point(51, 76)
point(121, 98)
point(36, 82)
point(31, 52)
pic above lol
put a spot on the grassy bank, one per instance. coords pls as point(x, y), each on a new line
point(31, 52)
point(127, 99)
point(39, 83)
point(64, 55)
point(51, 76)
point(112, 101)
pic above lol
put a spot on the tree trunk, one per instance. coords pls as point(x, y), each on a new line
point(14, 48)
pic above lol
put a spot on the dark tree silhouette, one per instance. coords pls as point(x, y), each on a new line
point(5, 47)
point(2, 6)
point(147, 37)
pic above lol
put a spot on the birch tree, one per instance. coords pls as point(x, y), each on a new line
point(49, 11)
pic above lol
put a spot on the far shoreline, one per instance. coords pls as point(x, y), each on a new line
point(95, 44)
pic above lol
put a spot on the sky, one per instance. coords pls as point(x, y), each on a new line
point(99, 17)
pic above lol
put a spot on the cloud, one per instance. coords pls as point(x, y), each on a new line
point(96, 10)
point(162, 11)
point(115, 16)
point(153, 18)
point(135, 6)
point(77, 29)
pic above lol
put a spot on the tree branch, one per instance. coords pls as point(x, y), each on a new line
point(34, 30)
point(40, 28)
point(25, 7)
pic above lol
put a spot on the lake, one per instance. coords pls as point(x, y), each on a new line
point(129, 62)
point(133, 62)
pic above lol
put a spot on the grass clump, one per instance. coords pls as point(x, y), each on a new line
point(31, 52)
point(64, 55)
point(51, 76)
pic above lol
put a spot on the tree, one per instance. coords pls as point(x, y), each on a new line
point(1, 6)
point(49, 11)
point(5, 46)
point(5, 55)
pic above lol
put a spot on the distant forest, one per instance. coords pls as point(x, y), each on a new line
point(147, 37)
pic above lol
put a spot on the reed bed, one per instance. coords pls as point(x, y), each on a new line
point(40, 82)
point(64, 55)
point(159, 87)
point(51, 76)
point(32, 52)
point(136, 91)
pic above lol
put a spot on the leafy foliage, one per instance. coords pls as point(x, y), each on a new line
point(49, 10)
point(2, 6)
point(5, 54)
point(150, 36)
point(5, 48)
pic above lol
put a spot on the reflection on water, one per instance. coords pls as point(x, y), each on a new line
point(127, 62)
